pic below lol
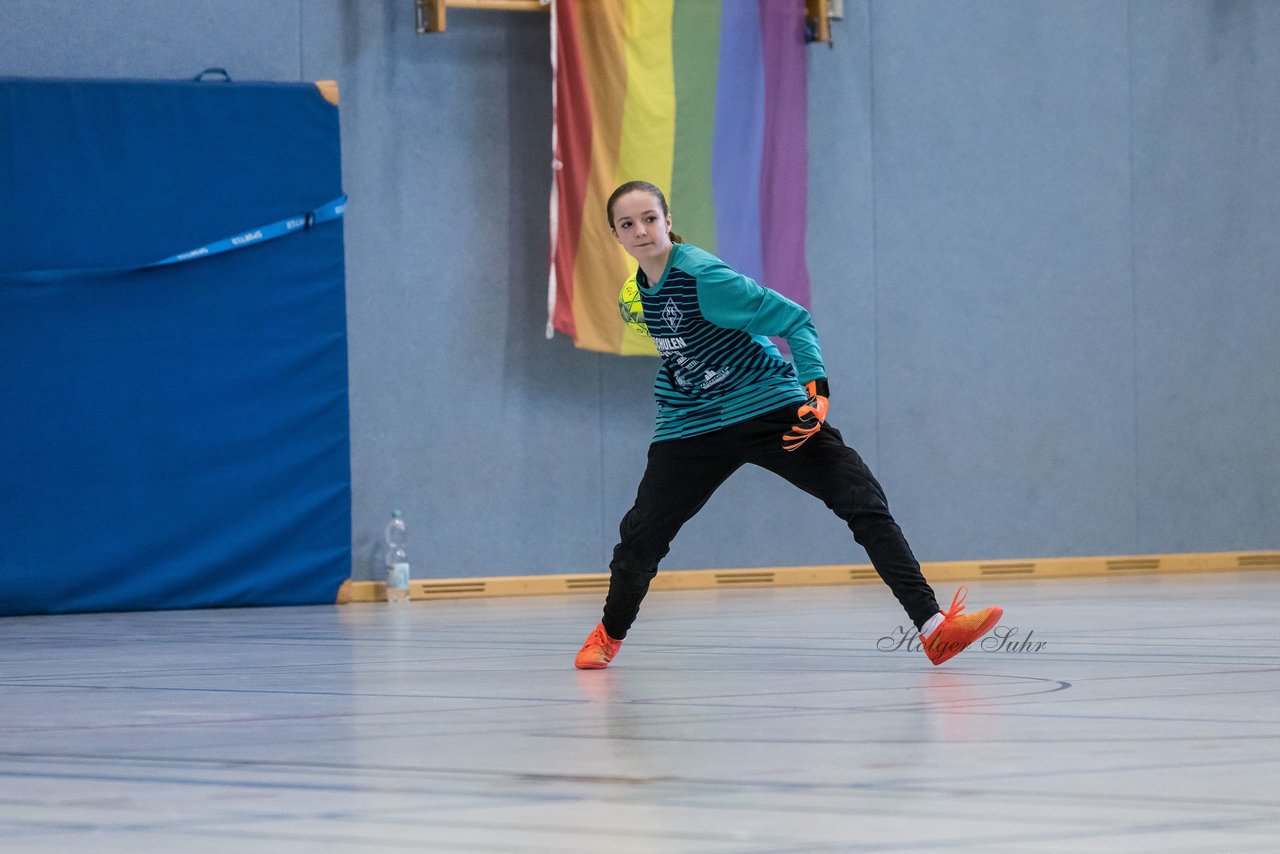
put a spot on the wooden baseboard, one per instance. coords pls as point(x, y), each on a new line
point(806, 576)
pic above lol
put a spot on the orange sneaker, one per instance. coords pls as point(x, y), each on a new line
point(959, 629)
point(598, 651)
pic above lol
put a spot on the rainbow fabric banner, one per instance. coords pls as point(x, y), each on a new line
point(706, 99)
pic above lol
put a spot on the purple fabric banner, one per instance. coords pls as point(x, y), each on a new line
point(739, 140)
point(785, 164)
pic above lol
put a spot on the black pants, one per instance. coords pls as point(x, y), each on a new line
point(683, 473)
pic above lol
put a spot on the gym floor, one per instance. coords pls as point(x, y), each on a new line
point(1118, 714)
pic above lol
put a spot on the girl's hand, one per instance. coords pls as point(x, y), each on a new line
point(811, 414)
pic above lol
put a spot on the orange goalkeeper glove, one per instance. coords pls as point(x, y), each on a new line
point(811, 414)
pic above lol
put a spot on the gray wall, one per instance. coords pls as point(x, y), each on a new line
point(1044, 242)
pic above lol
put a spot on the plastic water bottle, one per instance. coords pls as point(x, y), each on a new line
point(397, 559)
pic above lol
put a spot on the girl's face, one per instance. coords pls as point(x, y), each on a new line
point(640, 225)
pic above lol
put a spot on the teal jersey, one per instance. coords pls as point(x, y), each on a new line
point(711, 326)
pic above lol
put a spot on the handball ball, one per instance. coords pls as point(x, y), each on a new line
point(631, 308)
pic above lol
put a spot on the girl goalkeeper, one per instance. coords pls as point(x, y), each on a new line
point(725, 398)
